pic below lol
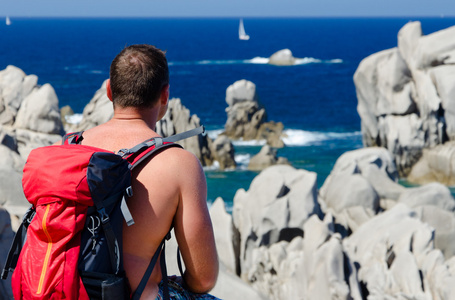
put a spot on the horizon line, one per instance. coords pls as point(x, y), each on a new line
point(234, 17)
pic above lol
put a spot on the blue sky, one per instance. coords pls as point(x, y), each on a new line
point(227, 8)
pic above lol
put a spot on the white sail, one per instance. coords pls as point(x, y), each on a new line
point(242, 33)
point(8, 21)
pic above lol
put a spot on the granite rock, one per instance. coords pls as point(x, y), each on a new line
point(405, 94)
point(266, 157)
point(282, 57)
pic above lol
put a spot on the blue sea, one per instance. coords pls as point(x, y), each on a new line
point(314, 99)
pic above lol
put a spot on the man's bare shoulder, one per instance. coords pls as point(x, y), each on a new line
point(176, 158)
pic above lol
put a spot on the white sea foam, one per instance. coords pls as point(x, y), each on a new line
point(256, 60)
point(214, 133)
point(219, 62)
point(297, 137)
point(242, 160)
point(74, 119)
point(293, 137)
point(248, 143)
point(306, 60)
point(213, 167)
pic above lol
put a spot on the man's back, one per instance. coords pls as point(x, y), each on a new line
point(168, 190)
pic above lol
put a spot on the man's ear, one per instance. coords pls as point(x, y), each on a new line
point(164, 95)
point(108, 89)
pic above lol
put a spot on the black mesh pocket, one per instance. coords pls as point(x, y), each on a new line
point(105, 286)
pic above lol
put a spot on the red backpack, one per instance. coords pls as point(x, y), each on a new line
point(73, 245)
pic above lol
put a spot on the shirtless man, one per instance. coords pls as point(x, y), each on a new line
point(169, 189)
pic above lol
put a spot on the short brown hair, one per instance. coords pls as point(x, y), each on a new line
point(138, 74)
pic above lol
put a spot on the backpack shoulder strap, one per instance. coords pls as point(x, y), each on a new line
point(151, 146)
point(72, 138)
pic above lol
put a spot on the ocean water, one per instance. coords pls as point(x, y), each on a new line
point(314, 99)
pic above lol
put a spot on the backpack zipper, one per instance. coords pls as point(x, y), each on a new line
point(48, 252)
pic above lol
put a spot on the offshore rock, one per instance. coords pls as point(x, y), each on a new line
point(405, 94)
point(246, 117)
point(282, 58)
point(223, 152)
point(265, 158)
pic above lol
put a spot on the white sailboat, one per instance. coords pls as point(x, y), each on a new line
point(8, 21)
point(242, 33)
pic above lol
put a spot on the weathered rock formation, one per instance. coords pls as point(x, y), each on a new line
point(406, 94)
point(265, 158)
point(223, 152)
point(98, 111)
point(282, 58)
point(29, 118)
point(374, 239)
point(278, 203)
point(178, 119)
point(246, 117)
point(436, 164)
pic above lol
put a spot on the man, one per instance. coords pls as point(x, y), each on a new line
point(170, 188)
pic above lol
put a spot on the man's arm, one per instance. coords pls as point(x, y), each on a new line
point(193, 227)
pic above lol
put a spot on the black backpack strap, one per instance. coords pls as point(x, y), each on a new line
point(164, 273)
point(72, 138)
point(179, 262)
point(111, 240)
point(18, 242)
point(148, 272)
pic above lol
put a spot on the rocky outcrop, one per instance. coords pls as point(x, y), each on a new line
point(265, 158)
point(374, 239)
point(178, 119)
point(282, 58)
point(246, 117)
point(223, 152)
point(436, 164)
point(29, 118)
point(405, 94)
point(361, 182)
point(274, 209)
point(98, 111)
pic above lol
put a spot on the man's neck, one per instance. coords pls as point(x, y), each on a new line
point(132, 115)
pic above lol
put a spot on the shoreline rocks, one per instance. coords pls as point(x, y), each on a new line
point(394, 243)
point(405, 94)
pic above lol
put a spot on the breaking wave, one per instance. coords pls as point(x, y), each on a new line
point(256, 60)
